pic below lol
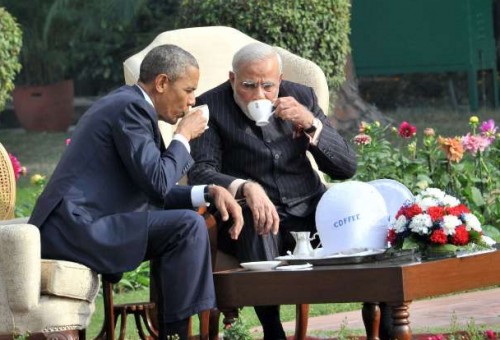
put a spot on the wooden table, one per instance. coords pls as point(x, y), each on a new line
point(395, 284)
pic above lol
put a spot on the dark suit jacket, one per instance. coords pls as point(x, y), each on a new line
point(112, 172)
point(234, 147)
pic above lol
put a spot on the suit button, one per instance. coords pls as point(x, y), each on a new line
point(276, 156)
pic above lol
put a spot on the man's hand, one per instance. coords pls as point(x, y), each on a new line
point(192, 125)
point(227, 205)
point(264, 212)
point(288, 108)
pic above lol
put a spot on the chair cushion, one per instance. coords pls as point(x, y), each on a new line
point(52, 314)
point(69, 279)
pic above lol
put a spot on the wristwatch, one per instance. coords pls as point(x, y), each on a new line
point(314, 126)
point(206, 194)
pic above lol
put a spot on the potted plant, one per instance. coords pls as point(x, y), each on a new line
point(43, 96)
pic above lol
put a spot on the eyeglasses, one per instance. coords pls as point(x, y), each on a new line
point(251, 85)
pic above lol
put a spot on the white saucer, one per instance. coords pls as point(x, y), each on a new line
point(260, 265)
point(296, 267)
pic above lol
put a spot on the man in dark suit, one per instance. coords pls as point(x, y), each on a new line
point(267, 166)
point(112, 201)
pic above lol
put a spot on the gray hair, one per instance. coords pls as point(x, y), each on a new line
point(255, 52)
point(168, 59)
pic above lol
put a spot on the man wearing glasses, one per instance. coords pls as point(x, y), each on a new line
point(266, 167)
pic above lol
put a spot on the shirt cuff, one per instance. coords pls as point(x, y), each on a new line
point(197, 196)
point(314, 138)
point(183, 140)
point(233, 187)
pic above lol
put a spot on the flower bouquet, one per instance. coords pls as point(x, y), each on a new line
point(438, 225)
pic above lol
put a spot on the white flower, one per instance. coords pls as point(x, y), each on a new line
point(438, 194)
point(420, 224)
point(450, 201)
point(427, 202)
point(449, 223)
point(471, 222)
point(400, 224)
point(488, 240)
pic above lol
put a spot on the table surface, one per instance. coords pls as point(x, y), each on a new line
point(368, 282)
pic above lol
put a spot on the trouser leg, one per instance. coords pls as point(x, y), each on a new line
point(178, 241)
point(269, 317)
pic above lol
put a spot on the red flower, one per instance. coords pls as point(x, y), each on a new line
point(461, 236)
point(436, 213)
point(406, 130)
point(410, 211)
point(457, 210)
point(439, 237)
point(391, 236)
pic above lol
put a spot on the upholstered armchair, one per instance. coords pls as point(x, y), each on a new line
point(47, 299)
point(214, 48)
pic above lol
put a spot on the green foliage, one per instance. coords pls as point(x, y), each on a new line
point(238, 331)
point(135, 279)
point(317, 29)
point(421, 161)
point(44, 58)
point(10, 47)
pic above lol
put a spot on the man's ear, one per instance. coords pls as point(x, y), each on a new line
point(161, 82)
point(231, 77)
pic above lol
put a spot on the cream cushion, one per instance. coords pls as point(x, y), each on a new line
point(69, 279)
point(23, 305)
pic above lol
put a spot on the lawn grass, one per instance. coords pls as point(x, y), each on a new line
point(39, 152)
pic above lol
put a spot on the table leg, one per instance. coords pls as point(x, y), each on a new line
point(385, 329)
point(371, 319)
point(400, 320)
point(301, 320)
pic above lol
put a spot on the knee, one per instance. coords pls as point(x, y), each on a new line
point(195, 223)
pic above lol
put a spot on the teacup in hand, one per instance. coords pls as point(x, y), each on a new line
point(260, 110)
point(205, 112)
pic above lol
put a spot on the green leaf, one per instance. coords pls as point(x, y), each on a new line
point(477, 197)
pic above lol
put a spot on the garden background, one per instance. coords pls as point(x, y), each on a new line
point(87, 41)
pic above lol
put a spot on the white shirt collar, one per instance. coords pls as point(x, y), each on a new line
point(146, 96)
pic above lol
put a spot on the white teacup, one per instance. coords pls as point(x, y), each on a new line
point(205, 112)
point(260, 110)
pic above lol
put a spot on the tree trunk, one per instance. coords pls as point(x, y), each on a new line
point(350, 109)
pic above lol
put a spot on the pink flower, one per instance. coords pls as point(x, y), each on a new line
point(406, 130)
point(67, 141)
point(488, 129)
point(490, 334)
point(18, 169)
point(474, 143)
point(362, 139)
point(429, 132)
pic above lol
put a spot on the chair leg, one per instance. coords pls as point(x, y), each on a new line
point(302, 318)
point(148, 322)
point(107, 331)
point(138, 324)
point(123, 324)
point(204, 324)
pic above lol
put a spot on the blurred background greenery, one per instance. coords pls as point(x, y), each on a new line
point(87, 41)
